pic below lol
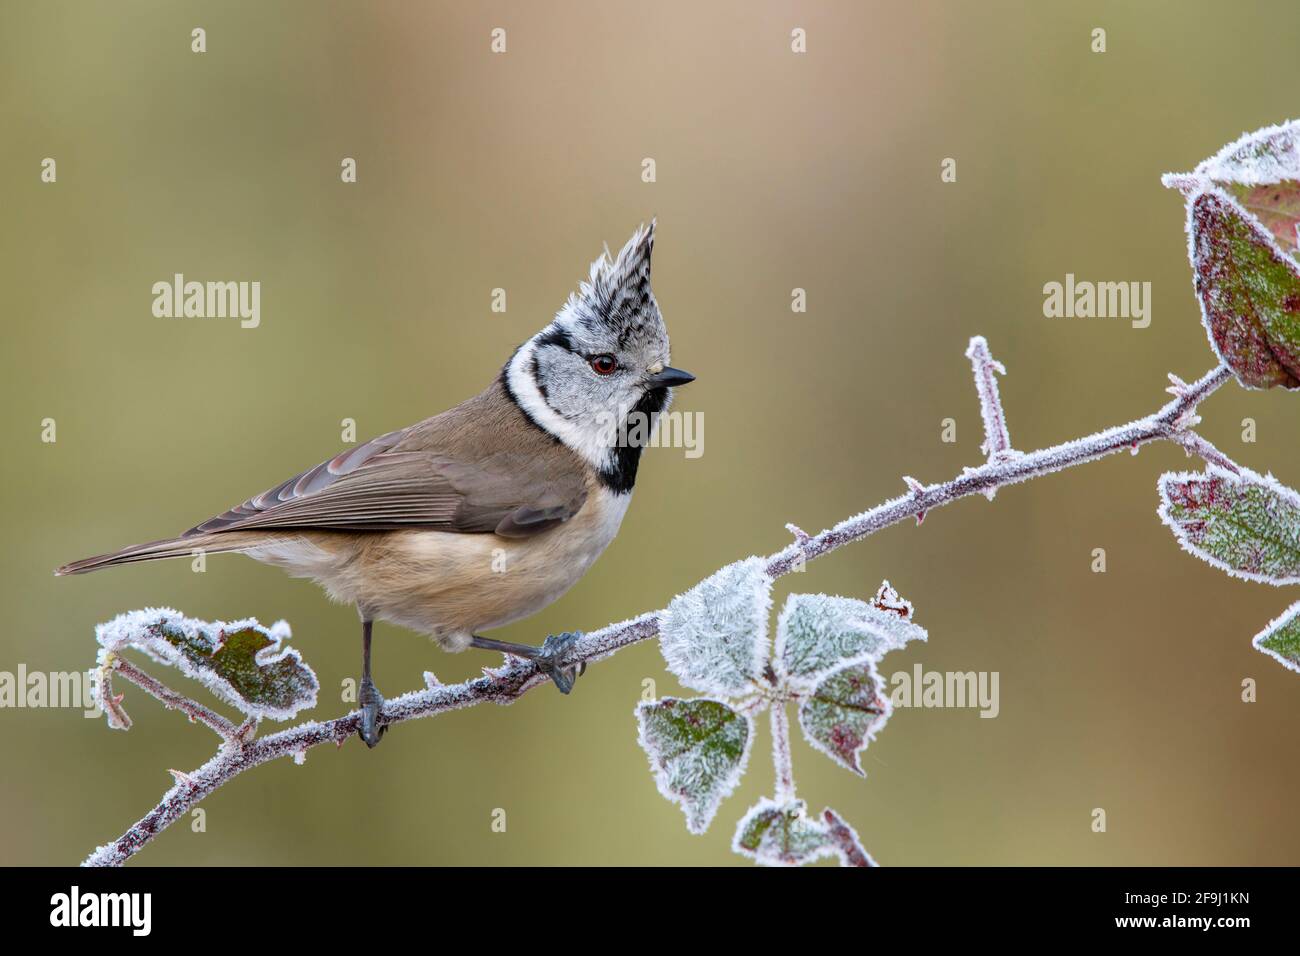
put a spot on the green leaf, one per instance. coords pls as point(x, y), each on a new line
point(714, 637)
point(1247, 524)
point(782, 834)
point(1281, 639)
point(844, 712)
point(1249, 291)
point(817, 633)
point(698, 750)
point(242, 663)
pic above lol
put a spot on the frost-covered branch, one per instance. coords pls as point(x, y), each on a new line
point(515, 677)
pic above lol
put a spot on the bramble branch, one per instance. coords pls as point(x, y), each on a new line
point(172, 700)
point(515, 677)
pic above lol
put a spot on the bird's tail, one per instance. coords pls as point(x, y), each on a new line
point(182, 547)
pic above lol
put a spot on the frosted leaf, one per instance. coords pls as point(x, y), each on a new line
point(698, 750)
point(1261, 170)
point(1247, 525)
point(1281, 639)
point(844, 712)
point(1249, 290)
point(714, 637)
point(1268, 155)
point(777, 834)
point(817, 632)
point(242, 662)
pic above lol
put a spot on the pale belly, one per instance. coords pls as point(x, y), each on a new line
point(449, 585)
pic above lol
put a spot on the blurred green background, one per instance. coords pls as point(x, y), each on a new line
point(1118, 690)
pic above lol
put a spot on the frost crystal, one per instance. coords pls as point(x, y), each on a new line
point(1281, 639)
point(242, 662)
point(777, 834)
point(817, 632)
point(844, 712)
point(1247, 525)
point(698, 750)
point(714, 637)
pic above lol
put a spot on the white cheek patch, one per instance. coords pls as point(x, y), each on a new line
point(592, 441)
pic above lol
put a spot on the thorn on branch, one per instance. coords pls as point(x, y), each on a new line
point(800, 536)
point(245, 732)
point(917, 490)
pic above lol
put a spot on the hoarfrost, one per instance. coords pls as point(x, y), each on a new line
point(241, 662)
point(714, 636)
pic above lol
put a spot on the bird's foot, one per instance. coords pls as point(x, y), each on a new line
point(372, 702)
point(550, 656)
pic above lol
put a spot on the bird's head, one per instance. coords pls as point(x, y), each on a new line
point(603, 359)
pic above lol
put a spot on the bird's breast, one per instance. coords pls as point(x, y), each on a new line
point(441, 582)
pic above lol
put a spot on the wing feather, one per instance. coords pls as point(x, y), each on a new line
point(382, 485)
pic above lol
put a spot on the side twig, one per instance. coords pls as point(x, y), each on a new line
point(174, 701)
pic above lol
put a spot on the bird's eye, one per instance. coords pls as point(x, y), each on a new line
point(603, 364)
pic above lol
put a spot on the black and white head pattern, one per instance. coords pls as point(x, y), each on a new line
point(585, 376)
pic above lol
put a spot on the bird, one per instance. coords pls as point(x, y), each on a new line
point(488, 512)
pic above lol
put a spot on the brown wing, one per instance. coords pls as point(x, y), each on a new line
point(392, 482)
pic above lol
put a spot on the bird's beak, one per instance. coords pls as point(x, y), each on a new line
point(670, 378)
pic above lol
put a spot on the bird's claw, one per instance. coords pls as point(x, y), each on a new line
point(552, 653)
point(372, 702)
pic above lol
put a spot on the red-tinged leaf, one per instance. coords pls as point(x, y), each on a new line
point(844, 712)
point(1249, 291)
point(1246, 524)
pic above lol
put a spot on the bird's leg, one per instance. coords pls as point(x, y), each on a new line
point(548, 657)
point(368, 696)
